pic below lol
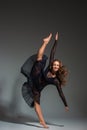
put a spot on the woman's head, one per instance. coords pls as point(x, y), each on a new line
point(60, 70)
point(55, 65)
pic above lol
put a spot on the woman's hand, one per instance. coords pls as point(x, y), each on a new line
point(67, 108)
point(56, 37)
point(47, 39)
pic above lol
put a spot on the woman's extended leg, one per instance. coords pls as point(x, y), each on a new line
point(43, 46)
point(39, 114)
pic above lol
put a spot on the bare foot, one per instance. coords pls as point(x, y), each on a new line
point(44, 124)
point(47, 39)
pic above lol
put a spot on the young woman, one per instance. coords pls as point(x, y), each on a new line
point(55, 73)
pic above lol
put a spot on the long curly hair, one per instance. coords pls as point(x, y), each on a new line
point(62, 72)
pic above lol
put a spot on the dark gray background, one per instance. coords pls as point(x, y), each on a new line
point(23, 25)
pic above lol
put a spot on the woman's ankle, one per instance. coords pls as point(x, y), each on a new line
point(44, 124)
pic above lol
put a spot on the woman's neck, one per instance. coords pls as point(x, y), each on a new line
point(51, 75)
point(53, 72)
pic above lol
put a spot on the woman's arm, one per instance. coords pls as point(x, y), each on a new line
point(63, 97)
point(53, 50)
point(43, 46)
point(61, 93)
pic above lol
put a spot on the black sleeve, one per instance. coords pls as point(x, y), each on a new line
point(58, 86)
point(52, 53)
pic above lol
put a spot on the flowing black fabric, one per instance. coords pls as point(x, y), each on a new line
point(27, 66)
point(29, 92)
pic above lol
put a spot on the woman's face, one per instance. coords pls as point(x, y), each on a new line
point(56, 66)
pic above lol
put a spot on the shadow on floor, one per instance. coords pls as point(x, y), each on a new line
point(22, 119)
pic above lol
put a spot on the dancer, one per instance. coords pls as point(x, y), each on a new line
point(39, 77)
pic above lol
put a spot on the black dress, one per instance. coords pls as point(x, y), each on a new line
point(38, 79)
